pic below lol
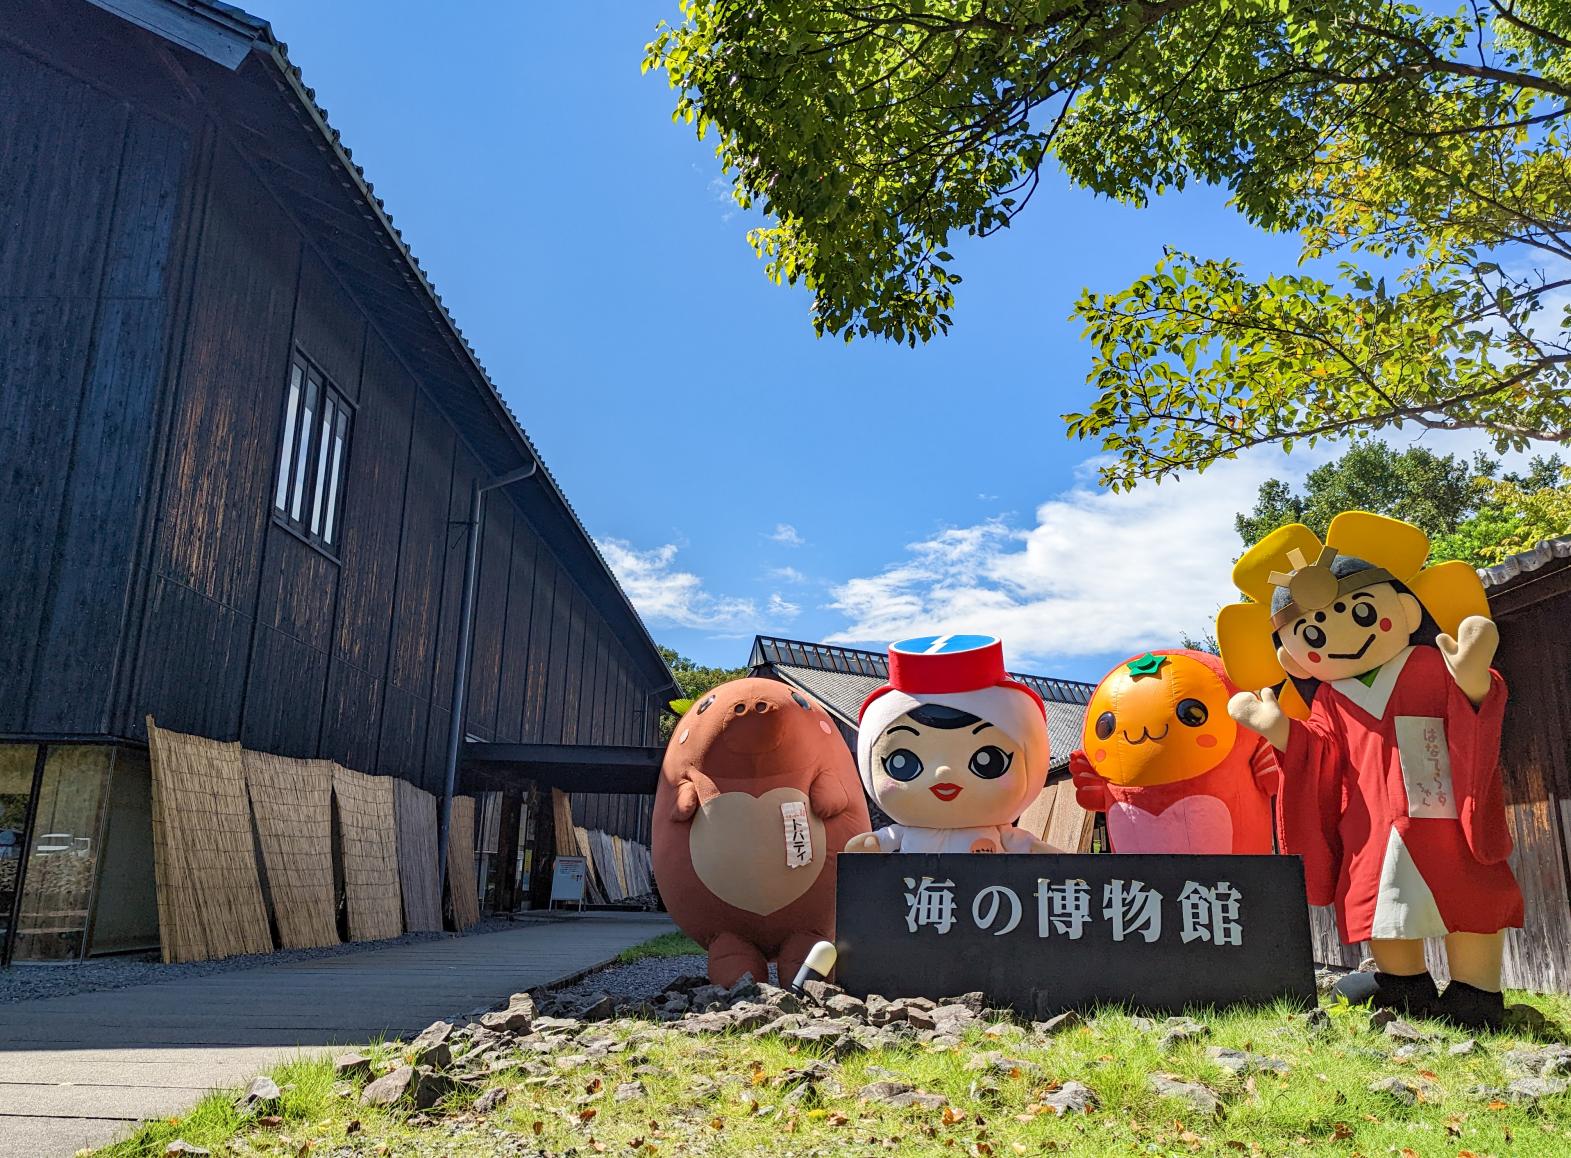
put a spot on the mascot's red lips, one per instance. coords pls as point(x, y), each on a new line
point(945, 791)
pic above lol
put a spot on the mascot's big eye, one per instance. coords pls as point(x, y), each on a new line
point(800, 702)
point(706, 705)
point(1314, 637)
point(1104, 725)
point(902, 764)
point(1191, 713)
point(1364, 613)
point(990, 762)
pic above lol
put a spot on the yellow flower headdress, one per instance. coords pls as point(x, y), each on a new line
point(1294, 557)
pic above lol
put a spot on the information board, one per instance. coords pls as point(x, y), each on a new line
point(1043, 934)
point(569, 879)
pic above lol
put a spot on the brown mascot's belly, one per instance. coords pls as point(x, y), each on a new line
point(728, 843)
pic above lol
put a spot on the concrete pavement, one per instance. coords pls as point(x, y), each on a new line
point(79, 1071)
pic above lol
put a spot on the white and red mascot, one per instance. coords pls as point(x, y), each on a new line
point(952, 749)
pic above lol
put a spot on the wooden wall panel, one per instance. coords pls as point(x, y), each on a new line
point(452, 582)
point(574, 702)
point(516, 638)
point(543, 611)
point(352, 718)
point(556, 670)
point(217, 498)
point(299, 586)
point(423, 551)
point(401, 750)
point(374, 513)
point(204, 703)
point(283, 695)
point(60, 145)
point(491, 598)
point(114, 437)
point(329, 328)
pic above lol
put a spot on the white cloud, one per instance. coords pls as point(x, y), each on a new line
point(667, 596)
point(781, 608)
point(787, 575)
point(787, 534)
point(1098, 572)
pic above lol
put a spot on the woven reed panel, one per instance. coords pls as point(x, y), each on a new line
point(461, 883)
point(417, 875)
point(368, 844)
point(204, 858)
point(292, 801)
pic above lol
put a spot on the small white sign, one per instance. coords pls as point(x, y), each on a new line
point(1426, 767)
point(569, 877)
point(798, 835)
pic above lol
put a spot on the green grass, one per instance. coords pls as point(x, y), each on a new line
point(665, 945)
point(1322, 1106)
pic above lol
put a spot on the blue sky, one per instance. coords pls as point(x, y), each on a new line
point(741, 475)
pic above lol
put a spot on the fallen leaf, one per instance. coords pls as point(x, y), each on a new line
point(717, 1123)
point(353, 1127)
point(1430, 1074)
point(838, 1119)
point(1408, 1152)
point(1496, 1104)
point(537, 1127)
point(270, 1121)
point(587, 1113)
point(952, 1116)
point(1341, 1132)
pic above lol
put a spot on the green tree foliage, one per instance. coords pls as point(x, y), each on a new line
point(1469, 510)
point(694, 680)
point(1419, 156)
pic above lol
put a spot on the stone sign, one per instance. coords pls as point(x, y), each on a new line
point(1043, 934)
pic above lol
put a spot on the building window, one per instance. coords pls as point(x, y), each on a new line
point(310, 493)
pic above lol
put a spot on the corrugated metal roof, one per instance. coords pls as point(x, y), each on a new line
point(1513, 566)
point(843, 692)
point(855, 661)
point(168, 18)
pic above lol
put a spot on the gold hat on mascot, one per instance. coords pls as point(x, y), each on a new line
point(1449, 591)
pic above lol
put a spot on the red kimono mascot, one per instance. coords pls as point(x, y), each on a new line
point(1391, 794)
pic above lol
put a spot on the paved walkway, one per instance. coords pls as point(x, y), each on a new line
point(78, 1071)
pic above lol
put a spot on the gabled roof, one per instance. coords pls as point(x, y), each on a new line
point(840, 678)
point(233, 61)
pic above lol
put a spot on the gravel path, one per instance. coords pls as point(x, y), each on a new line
point(635, 980)
point(31, 981)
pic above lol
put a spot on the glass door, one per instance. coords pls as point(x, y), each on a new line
point(18, 767)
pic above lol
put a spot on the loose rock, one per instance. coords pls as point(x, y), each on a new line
point(261, 1095)
point(351, 1065)
point(389, 1088)
point(181, 1147)
point(1237, 1061)
point(1071, 1098)
point(490, 1099)
point(630, 1091)
point(1403, 1090)
point(1059, 1024)
point(1199, 1095)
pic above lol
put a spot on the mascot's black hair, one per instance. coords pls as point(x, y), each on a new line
point(1341, 566)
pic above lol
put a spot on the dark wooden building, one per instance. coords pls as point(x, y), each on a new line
point(238, 436)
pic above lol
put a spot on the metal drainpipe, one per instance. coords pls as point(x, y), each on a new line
point(466, 617)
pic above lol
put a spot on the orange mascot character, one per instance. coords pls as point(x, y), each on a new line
point(1168, 765)
point(758, 794)
point(1388, 722)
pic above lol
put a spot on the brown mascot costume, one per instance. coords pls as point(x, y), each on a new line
point(758, 794)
